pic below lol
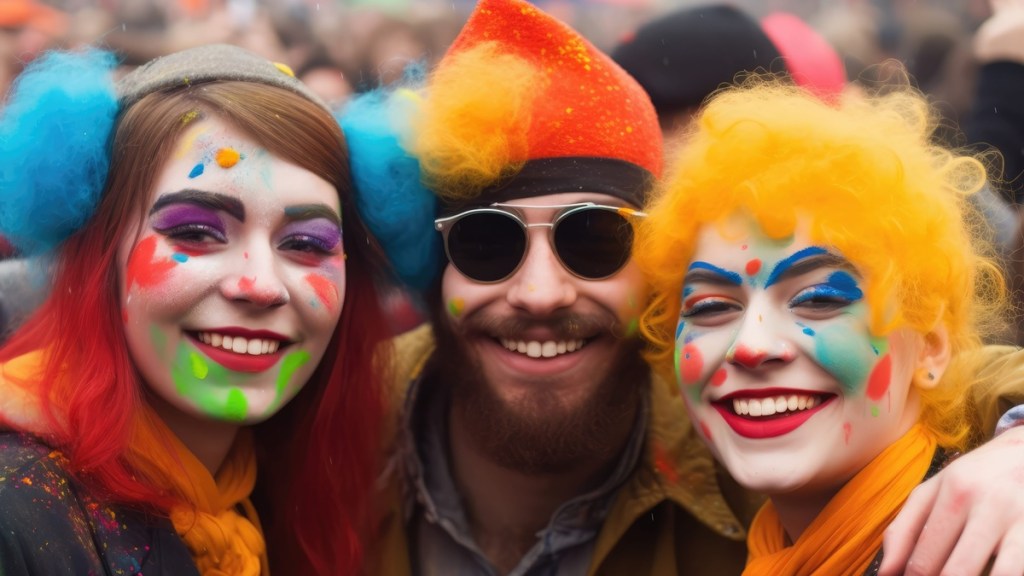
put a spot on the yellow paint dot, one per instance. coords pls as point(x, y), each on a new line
point(629, 129)
point(568, 110)
point(285, 68)
point(227, 157)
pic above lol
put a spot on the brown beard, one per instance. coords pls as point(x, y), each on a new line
point(539, 434)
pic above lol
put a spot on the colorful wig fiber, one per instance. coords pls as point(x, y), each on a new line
point(873, 187)
point(392, 200)
point(48, 192)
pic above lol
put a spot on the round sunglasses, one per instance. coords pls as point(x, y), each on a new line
point(489, 244)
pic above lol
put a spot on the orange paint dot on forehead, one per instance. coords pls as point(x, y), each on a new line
point(227, 157)
point(753, 267)
point(325, 290)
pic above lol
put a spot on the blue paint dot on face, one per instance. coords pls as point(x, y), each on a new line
point(196, 171)
point(687, 291)
point(179, 257)
point(874, 349)
point(679, 329)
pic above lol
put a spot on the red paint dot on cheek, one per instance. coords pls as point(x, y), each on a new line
point(325, 290)
point(690, 364)
point(142, 268)
point(718, 378)
point(245, 255)
point(753, 267)
point(878, 381)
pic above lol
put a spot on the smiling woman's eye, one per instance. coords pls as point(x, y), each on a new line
point(820, 299)
point(309, 244)
point(708, 308)
point(194, 233)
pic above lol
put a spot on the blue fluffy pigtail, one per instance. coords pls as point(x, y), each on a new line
point(54, 147)
point(392, 201)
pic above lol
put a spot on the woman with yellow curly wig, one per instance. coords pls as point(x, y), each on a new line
point(815, 269)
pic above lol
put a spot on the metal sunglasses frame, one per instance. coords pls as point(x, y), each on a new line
point(512, 211)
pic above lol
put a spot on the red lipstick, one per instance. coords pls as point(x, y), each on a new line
point(770, 426)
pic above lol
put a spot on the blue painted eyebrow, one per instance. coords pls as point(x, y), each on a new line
point(730, 277)
point(786, 263)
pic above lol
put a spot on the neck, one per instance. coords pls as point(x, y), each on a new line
point(797, 511)
point(207, 439)
point(505, 527)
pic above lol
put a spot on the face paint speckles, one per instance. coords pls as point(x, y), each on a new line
point(753, 267)
point(847, 429)
point(292, 362)
point(632, 327)
point(456, 306)
point(690, 365)
point(197, 171)
point(718, 378)
point(227, 157)
point(878, 381)
point(179, 257)
point(199, 366)
point(237, 407)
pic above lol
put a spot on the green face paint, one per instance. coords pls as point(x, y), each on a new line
point(456, 306)
point(292, 362)
point(212, 388)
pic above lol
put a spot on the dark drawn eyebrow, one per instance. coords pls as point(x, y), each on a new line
point(211, 200)
point(312, 212)
point(710, 274)
point(799, 266)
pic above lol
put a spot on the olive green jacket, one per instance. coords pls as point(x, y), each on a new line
point(678, 513)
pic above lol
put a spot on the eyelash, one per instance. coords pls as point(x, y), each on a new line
point(707, 307)
point(182, 233)
point(820, 299)
point(317, 245)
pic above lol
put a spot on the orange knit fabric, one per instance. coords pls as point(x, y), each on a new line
point(589, 108)
point(222, 541)
point(847, 534)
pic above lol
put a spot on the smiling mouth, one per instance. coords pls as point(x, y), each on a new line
point(783, 404)
point(240, 344)
point(545, 349)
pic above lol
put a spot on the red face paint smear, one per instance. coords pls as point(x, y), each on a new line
point(143, 269)
point(749, 358)
point(878, 382)
point(663, 464)
point(718, 378)
point(690, 364)
point(325, 290)
point(753, 267)
point(705, 430)
point(846, 432)
point(246, 284)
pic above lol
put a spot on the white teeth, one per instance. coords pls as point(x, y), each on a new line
point(546, 349)
point(239, 345)
point(771, 406)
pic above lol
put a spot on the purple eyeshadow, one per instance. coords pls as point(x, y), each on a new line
point(324, 232)
point(182, 214)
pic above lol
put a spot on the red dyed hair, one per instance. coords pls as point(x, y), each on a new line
point(318, 456)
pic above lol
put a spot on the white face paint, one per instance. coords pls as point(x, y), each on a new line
point(233, 285)
point(777, 364)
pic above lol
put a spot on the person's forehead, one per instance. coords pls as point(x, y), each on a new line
point(568, 198)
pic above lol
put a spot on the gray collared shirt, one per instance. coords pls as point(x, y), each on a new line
point(441, 542)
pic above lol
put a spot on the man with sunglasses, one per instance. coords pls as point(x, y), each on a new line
point(532, 439)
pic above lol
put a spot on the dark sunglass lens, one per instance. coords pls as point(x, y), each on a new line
point(486, 246)
point(594, 243)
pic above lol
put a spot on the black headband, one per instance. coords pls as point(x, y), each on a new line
point(547, 176)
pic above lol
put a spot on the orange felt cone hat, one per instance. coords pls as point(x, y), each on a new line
point(522, 105)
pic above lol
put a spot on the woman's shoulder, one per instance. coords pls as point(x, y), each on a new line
point(52, 525)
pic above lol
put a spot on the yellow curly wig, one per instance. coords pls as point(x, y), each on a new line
point(874, 187)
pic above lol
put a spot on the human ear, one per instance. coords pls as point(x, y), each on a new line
point(933, 358)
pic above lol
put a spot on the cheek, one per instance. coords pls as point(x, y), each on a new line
point(325, 287)
point(859, 363)
point(699, 360)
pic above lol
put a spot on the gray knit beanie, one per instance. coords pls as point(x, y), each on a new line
point(208, 64)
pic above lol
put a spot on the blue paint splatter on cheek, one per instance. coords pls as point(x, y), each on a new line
point(179, 257)
point(845, 355)
point(679, 329)
point(806, 330)
point(196, 171)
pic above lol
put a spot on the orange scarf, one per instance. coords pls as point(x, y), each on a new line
point(222, 541)
point(846, 536)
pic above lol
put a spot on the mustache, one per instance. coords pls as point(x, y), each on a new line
point(564, 325)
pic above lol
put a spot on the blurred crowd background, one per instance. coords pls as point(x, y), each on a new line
point(343, 47)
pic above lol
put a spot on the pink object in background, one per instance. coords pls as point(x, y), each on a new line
point(810, 59)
